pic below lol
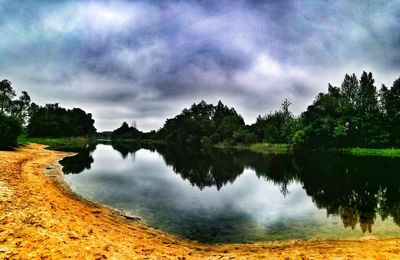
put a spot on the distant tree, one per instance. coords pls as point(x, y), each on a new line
point(127, 132)
point(285, 108)
point(202, 123)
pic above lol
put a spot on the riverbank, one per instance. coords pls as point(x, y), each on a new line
point(62, 144)
point(385, 152)
point(39, 217)
point(265, 148)
point(287, 148)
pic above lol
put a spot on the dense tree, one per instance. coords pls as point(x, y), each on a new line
point(10, 129)
point(277, 127)
point(390, 99)
point(370, 119)
point(52, 120)
point(12, 114)
point(353, 115)
point(202, 123)
point(321, 120)
point(124, 131)
point(47, 121)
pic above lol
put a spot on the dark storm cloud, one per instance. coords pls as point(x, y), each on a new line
point(146, 60)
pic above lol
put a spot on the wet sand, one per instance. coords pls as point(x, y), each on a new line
point(41, 218)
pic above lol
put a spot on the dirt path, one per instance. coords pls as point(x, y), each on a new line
point(41, 219)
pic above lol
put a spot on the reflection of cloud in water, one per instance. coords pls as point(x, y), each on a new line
point(247, 205)
point(148, 177)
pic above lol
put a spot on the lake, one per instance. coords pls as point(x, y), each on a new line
point(239, 196)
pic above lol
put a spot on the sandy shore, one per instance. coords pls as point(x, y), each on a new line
point(39, 218)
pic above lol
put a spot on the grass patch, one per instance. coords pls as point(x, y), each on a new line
point(137, 141)
point(271, 148)
point(386, 152)
point(63, 144)
point(261, 148)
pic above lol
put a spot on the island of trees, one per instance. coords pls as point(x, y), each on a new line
point(356, 114)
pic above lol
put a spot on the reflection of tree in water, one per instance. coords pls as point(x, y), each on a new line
point(125, 148)
point(355, 188)
point(203, 168)
point(80, 162)
point(358, 189)
point(279, 168)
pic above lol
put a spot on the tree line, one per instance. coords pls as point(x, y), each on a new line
point(354, 114)
point(20, 115)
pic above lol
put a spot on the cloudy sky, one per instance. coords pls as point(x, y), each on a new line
point(147, 60)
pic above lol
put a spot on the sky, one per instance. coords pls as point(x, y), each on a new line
point(145, 61)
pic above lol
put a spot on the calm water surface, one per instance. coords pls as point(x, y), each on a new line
point(232, 196)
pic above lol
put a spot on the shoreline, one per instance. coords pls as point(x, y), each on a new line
point(40, 216)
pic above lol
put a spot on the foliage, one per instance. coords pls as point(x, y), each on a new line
point(12, 114)
point(243, 136)
point(6, 96)
point(353, 115)
point(277, 127)
point(52, 120)
point(126, 132)
point(203, 124)
point(10, 129)
point(40, 121)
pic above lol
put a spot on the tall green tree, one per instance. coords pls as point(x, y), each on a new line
point(321, 120)
point(20, 107)
point(10, 125)
point(370, 119)
point(6, 95)
point(390, 99)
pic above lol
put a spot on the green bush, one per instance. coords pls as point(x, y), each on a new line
point(243, 136)
point(10, 129)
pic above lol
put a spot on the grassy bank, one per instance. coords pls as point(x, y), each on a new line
point(261, 148)
point(287, 148)
point(138, 141)
point(386, 152)
point(65, 143)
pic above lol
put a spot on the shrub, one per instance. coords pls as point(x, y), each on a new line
point(10, 129)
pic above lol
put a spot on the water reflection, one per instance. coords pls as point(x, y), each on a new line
point(80, 162)
point(358, 189)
